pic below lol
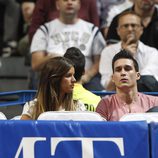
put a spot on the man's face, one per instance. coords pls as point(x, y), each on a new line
point(144, 4)
point(125, 75)
point(68, 7)
point(129, 25)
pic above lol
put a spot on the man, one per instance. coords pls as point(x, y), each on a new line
point(117, 9)
point(129, 30)
point(27, 9)
point(53, 38)
point(9, 26)
point(148, 12)
point(45, 10)
point(89, 99)
point(104, 6)
point(127, 98)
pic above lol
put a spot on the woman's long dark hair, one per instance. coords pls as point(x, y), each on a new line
point(48, 95)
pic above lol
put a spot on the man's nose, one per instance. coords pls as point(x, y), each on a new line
point(69, 1)
point(130, 28)
point(123, 72)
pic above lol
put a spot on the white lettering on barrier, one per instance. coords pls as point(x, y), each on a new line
point(28, 144)
point(87, 144)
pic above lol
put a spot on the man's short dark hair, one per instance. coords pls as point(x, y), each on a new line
point(78, 59)
point(123, 54)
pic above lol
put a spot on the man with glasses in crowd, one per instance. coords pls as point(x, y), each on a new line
point(148, 12)
point(130, 30)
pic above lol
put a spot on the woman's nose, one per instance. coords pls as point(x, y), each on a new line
point(73, 79)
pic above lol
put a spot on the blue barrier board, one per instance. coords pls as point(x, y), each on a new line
point(73, 139)
point(154, 139)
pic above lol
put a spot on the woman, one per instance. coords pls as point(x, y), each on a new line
point(54, 91)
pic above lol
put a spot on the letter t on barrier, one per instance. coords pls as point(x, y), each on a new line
point(87, 144)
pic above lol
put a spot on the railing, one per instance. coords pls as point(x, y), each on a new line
point(22, 96)
point(16, 97)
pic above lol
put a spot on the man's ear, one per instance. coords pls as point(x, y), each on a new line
point(138, 75)
point(112, 78)
point(118, 31)
point(141, 30)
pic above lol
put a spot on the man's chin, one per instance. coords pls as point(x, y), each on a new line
point(124, 85)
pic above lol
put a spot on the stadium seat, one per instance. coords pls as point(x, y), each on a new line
point(16, 117)
point(71, 115)
point(149, 117)
point(2, 116)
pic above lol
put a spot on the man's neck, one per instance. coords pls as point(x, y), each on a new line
point(68, 19)
point(127, 96)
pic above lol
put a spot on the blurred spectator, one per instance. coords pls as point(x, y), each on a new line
point(10, 26)
point(27, 7)
point(147, 10)
point(45, 11)
point(1, 26)
point(129, 30)
point(116, 9)
point(89, 99)
point(53, 38)
point(104, 7)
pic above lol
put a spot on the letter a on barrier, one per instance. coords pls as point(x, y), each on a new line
point(27, 144)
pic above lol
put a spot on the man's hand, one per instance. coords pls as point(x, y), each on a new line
point(131, 44)
point(85, 78)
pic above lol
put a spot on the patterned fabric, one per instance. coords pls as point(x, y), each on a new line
point(89, 99)
point(55, 37)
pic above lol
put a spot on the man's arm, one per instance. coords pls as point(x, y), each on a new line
point(39, 58)
point(105, 68)
point(102, 109)
point(89, 74)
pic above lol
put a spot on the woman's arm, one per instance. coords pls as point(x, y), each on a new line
point(25, 117)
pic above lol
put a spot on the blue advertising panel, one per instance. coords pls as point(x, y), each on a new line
point(154, 139)
point(73, 139)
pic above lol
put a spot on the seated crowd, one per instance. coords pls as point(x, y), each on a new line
point(57, 88)
point(72, 51)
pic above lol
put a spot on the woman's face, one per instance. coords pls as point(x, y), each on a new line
point(67, 82)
